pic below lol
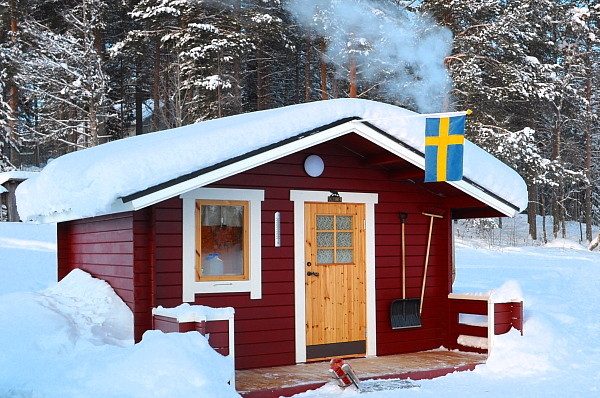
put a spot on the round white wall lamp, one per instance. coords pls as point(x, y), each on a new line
point(314, 166)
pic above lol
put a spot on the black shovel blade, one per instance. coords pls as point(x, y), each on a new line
point(405, 313)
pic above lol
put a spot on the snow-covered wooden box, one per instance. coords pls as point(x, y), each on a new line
point(476, 318)
point(217, 324)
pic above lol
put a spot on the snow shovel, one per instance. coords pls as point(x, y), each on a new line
point(432, 216)
point(404, 313)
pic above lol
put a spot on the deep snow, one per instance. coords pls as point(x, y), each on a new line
point(73, 339)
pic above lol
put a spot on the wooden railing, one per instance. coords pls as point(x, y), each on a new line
point(475, 319)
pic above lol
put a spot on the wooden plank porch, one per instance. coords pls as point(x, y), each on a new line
point(293, 379)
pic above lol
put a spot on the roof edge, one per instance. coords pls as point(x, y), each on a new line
point(189, 176)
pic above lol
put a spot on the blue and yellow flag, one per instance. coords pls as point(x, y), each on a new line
point(444, 146)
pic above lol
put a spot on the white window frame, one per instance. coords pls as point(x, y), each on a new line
point(191, 287)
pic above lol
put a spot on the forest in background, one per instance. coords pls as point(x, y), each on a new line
point(75, 74)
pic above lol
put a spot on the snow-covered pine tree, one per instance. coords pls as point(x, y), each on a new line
point(509, 67)
point(5, 116)
point(62, 78)
point(10, 136)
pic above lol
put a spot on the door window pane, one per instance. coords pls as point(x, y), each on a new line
point(343, 222)
point(324, 256)
point(344, 239)
point(325, 223)
point(344, 255)
point(324, 239)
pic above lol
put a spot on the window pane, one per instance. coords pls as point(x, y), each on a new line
point(344, 239)
point(343, 222)
point(324, 256)
point(222, 240)
point(344, 256)
point(325, 223)
point(324, 239)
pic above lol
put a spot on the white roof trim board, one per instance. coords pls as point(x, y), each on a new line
point(137, 172)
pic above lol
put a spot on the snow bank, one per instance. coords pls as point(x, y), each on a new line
point(86, 183)
point(92, 309)
point(508, 292)
point(75, 339)
point(565, 244)
point(27, 257)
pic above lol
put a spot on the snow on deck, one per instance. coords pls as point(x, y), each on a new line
point(87, 183)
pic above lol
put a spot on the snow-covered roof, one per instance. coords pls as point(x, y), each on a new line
point(136, 172)
point(16, 175)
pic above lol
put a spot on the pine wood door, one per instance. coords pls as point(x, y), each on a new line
point(335, 280)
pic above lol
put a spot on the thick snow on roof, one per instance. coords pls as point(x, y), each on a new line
point(86, 183)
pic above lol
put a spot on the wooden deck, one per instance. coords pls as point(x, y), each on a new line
point(293, 379)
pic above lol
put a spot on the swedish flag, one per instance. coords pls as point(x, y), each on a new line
point(444, 146)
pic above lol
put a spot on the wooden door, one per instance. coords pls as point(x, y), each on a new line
point(335, 280)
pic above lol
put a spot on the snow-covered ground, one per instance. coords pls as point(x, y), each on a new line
point(73, 339)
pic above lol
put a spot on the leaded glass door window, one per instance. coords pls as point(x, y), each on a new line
point(334, 236)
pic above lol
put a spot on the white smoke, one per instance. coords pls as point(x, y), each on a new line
point(401, 51)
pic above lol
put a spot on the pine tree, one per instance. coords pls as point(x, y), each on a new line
point(63, 80)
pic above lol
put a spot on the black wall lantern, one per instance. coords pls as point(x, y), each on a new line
point(334, 197)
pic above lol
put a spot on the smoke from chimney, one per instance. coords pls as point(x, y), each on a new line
point(401, 51)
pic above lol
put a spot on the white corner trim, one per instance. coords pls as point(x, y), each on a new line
point(299, 198)
point(254, 284)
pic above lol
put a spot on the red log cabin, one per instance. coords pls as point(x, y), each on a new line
point(316, 230)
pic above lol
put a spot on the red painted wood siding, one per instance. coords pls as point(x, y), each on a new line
point(137, 251)
point(115, 248)
point(101, 246)
point(265, 328)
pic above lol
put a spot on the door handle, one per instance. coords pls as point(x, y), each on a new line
point(310, 273)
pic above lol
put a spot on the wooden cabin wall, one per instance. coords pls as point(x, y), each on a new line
point(265, 327)
point(115, 248)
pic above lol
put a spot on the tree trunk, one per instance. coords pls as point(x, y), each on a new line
point(352, 79)
point(156, 87)
point(259, 80)
point(13, 94)
point(532, 207)
point(545, 235)
point(236, 106)
point(555, 205)
point(307, 78)
point(139, 106)
point(323, 69)
point(588, 155)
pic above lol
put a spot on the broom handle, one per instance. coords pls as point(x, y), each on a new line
point(403, 264)
point(426, 263)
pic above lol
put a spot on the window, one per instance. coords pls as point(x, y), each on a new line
point(221, 241)
point(334, 239)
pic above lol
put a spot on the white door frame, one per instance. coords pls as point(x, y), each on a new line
point(299, 198)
